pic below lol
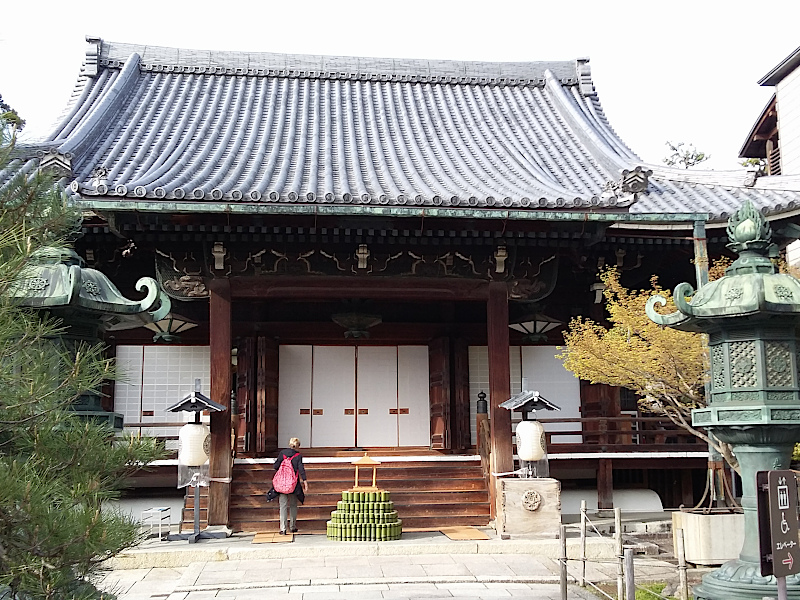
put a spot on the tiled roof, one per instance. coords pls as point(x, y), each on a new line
point(149, 123)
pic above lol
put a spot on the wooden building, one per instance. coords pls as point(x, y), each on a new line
point(353, 237)
point(775, 136)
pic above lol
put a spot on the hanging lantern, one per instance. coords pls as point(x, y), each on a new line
point(168, 328)
point(531, 441)
point(535, 326)
point(195, 440)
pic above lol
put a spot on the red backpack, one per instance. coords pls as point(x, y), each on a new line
point(285, 480)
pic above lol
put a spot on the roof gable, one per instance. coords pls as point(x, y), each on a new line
point(786, 66)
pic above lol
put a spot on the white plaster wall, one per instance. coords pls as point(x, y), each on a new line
point(544, 372)
point(788, 96)
point(534, 368)
point(155, 377)
point(479, 381)
point(793, 253)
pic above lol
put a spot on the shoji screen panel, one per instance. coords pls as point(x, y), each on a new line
point(294, 394)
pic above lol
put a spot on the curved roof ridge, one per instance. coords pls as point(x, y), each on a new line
point(730, 178)
point(514, 72)
point(779, 182)
point(109, 102)
point(603, 151)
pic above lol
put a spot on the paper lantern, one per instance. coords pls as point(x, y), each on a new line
point(194, 441)
point(531, 444)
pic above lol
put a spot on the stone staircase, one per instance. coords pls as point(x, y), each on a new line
point(426, 494)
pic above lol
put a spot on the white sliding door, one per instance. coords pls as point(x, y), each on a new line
point(345, 396)
point(413, 396)
point(294, 394)
point(377, 396)
point(333, 392)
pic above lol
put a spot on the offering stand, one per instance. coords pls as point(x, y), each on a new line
point(365, 513)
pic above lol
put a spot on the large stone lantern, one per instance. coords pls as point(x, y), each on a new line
point(57, 282)
point(751, 317)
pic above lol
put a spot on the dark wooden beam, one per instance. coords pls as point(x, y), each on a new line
point(323, 288)
point(316, 332)
point(499, 377)
point(220, 466)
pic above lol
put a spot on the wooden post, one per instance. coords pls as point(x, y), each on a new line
point(499, 377)
point(680, 551)
point(700, 253)
point(630, 579)
point(603, 437)
point(582, 580)
point(701, 273)
point(605, 485)
point(563, 566)
point(620, 557)
point(220, 463)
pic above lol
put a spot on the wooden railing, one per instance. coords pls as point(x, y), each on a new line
point(620, 434)
point(607, 434)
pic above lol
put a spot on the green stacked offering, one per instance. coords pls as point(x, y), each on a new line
point(364, 516)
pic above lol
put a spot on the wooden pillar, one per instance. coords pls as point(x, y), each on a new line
point(499, 377)
point(220, 464)
point(687, 490)
point(245, 395)
point(439, 381)
point(605, 485)
point(267, 397)
point(460, 421)
point(700, 253)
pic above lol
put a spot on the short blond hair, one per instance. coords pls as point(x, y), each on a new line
point(294, 443)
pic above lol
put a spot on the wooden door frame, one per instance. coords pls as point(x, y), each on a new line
point(439, 394)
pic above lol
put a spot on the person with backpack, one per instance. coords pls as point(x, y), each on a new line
point(289, 482)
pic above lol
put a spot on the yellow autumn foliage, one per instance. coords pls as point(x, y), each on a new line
point(635, 352)
point(667, 368)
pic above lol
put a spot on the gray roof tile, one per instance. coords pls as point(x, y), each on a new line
point(183, 125)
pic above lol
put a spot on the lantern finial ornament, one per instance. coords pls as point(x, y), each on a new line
point(749, 230)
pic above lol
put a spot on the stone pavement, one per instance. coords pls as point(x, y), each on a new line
point(421, 565)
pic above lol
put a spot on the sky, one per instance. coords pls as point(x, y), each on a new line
point(680, 71)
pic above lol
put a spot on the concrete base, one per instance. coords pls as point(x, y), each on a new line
point(164, 554)
point(709, 539)
point(514, 510)
point(219, 530)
